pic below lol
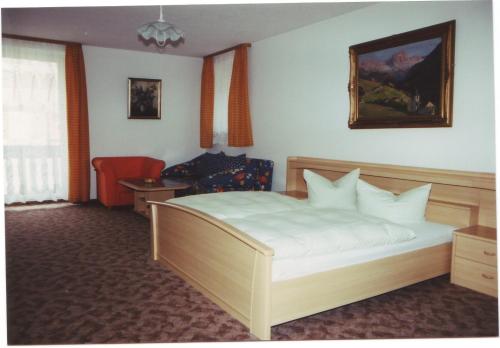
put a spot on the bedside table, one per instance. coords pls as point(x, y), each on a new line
point(474, 259)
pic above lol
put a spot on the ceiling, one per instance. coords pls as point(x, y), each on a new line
point(207, 28)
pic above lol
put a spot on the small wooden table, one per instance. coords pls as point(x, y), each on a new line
point(160, 191)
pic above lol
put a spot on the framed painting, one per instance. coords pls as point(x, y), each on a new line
point(144, 99)
point(404, 80)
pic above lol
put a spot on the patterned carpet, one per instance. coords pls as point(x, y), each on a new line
point(82, 274)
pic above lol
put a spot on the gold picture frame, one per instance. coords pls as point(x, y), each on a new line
point(404, 80)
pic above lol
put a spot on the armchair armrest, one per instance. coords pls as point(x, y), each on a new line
point(101, 165)
point(153, 168)
point(106, 177)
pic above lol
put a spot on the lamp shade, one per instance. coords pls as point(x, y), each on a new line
point(161, 31)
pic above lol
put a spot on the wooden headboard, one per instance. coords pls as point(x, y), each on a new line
point(457, 198)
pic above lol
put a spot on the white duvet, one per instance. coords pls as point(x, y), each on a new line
point(293, 228)
point(238, 204)
point(313, 231)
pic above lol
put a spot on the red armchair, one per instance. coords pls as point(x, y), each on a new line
point(111, 169)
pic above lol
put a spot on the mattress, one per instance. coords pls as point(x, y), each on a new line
point(302, 235)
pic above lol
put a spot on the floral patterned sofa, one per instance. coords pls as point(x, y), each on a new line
point(218, 172)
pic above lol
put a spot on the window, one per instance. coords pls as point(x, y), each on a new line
point(35, 126)
point(224, 104)
point(223, 69)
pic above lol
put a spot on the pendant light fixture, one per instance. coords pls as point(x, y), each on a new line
point(164, 33)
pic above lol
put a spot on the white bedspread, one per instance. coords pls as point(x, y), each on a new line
point(294, 228)
point(266, 210)
point(238, 204)
point(317, 231)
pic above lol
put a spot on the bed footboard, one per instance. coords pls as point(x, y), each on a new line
point(299, 297)
point(225, 264)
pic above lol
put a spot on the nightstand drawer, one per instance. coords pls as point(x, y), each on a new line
point(475, 276)
point(477, 250)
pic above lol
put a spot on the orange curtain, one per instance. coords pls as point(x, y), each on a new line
point(207, 103)
point(78, 125)
point(239, 123)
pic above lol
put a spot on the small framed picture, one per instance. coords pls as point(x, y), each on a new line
point(404, 80)
point(144, 99)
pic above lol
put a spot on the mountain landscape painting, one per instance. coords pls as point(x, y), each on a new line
point(403, 80)
point(400, 81)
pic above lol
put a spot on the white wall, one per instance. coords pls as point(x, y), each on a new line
point(300, 104)
point(174, 138)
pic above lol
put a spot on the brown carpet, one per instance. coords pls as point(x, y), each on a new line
point(82, 274)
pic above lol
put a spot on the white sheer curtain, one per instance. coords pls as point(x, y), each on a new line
point(34, 121)
point(223, 69)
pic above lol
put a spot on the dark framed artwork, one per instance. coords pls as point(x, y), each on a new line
point(144, 98)
point(404, 80)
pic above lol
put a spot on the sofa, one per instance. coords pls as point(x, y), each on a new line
point(219, 172)
point(111, 169)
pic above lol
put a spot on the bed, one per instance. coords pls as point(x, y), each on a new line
point(235, 270)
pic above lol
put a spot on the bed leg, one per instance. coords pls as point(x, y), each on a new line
point(154, 232)
point(260, 321)
point(264, 335)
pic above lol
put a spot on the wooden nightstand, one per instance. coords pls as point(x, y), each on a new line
point(474, 259)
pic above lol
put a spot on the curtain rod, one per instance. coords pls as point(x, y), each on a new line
point(228, 49)
point(39, 39)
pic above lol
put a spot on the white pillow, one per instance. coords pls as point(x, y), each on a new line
point(340, 194)
point(408, 207)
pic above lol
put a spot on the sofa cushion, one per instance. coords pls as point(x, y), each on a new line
point(210, 163)
point(234, 162)
point(207, 163)
point(264, 173)
point(237, 179)
point(181, 170)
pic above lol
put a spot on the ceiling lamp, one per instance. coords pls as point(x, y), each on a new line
point(164, 33)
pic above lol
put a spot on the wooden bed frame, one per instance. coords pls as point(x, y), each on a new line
point(234, 270)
